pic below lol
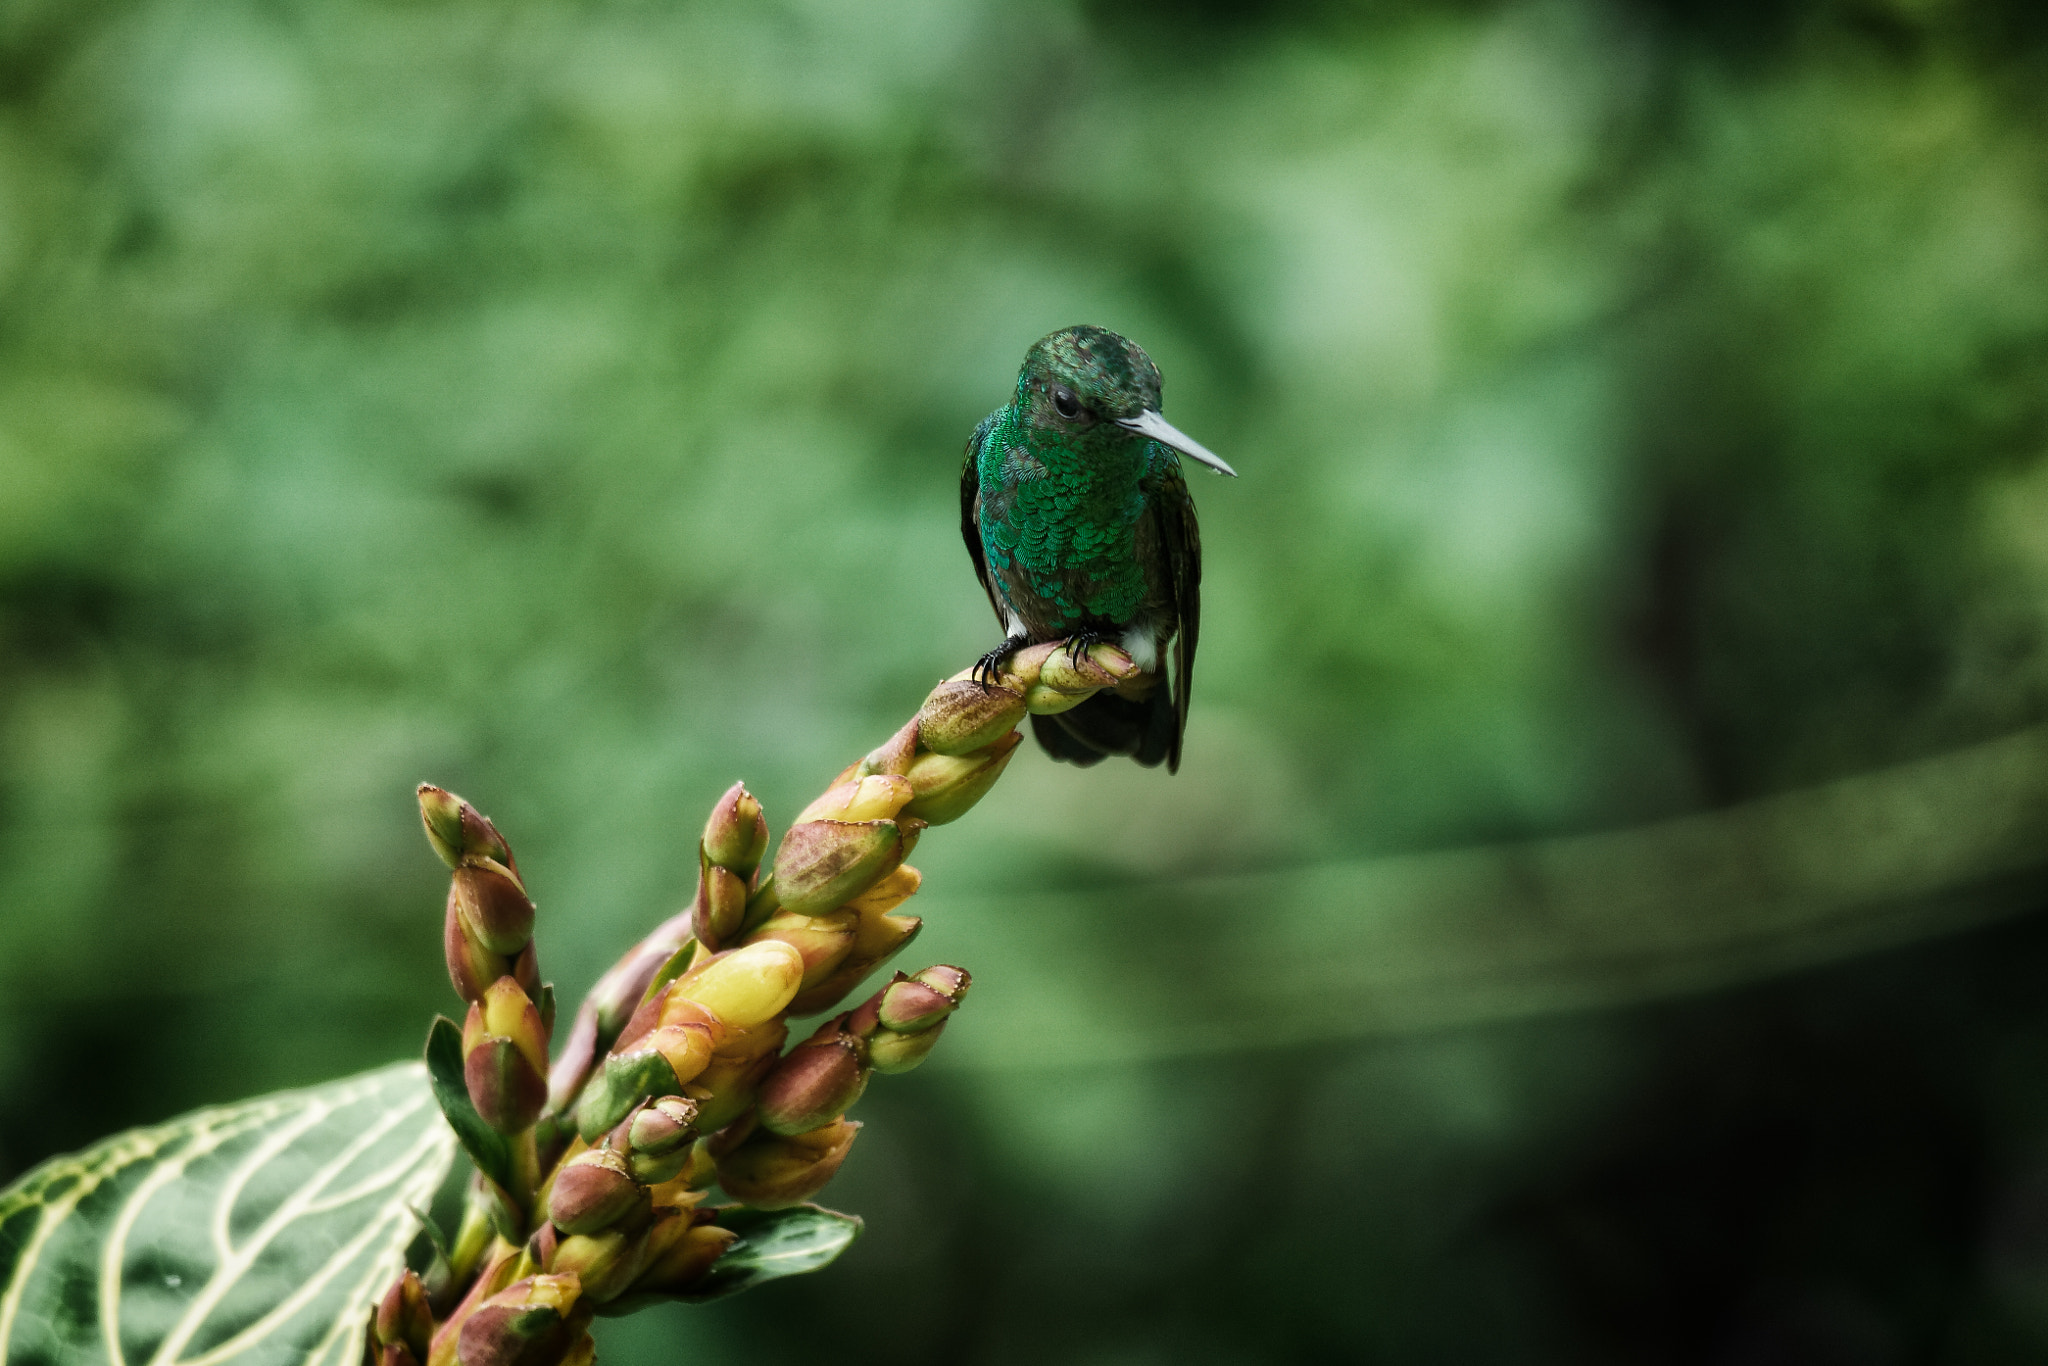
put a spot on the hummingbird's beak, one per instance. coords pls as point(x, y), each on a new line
point(1159, 429)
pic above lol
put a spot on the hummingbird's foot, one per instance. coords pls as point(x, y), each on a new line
point(989, 668)
point(1086, 639)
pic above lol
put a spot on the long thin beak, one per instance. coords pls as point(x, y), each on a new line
point(1159, 429)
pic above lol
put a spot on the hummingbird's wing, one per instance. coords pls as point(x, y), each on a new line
point(1179, 543)
point(970, 514)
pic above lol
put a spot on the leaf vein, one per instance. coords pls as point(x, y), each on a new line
point(236, 1264)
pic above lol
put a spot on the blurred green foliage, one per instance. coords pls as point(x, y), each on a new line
point(1641, 408)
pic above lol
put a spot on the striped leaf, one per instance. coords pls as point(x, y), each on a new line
point(250, 1234)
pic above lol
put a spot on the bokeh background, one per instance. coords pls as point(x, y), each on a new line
point(1642, 409)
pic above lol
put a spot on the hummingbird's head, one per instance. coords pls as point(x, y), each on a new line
point(1088, 379)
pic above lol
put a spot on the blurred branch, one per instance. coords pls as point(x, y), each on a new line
point(1482, 935)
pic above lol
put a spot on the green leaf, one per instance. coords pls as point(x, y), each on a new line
point(486, 1146)
point(774, 1244)
point(255, 1233)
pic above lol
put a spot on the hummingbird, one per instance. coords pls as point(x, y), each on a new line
point(1080, 526)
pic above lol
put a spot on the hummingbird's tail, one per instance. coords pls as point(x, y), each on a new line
point(1107, 724)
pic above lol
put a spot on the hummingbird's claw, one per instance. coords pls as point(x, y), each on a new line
point(1084, 640)
point(989, 668)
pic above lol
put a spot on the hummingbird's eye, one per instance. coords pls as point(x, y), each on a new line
point(1064, 401)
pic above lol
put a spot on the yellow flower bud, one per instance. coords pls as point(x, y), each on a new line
point(948, 786)
point(749, 985)
point(876, 797)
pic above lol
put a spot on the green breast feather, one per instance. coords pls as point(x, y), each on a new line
point(1059, 525)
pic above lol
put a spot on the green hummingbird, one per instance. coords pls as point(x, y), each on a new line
point(1080, 525)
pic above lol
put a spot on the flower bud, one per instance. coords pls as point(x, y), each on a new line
point(720, 907)
point(876, 797)
point(506, 1011)
point(890, 1053)
point(1100, 666)
point(823, 940)
point(603, 1263)
point(471, 966)
point(1040, 700)
point(774, 1171)
point(680, 1253)
point(725, 1090)
point(441, 813)
point(747, 985)
point(665, 1005)
point(962, 716)
point(911, 1005)
point(593, 1191)
point(656, 1139)
point(948, 786)
point(823, 863)
point(736, 836)
point(504, 1058)
point(667, 1126)
point(815, 1084)
point(524, 1324)
point(888, 892)
point(879, 938)
point(493, 907)
point(675, 1007)
point(404, 1318)
point(458, 831)
point(503, 1086)
point(686, 1048)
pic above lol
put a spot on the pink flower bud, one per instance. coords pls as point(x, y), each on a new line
point(667, 1126)
point(736, 836)
point(720, 907)
point(815, 1084)
point(504, 1058)
point(824, 863)
point(910, 1005)
point(525, 1324)
point(961, 716)
point(404, 1318)
point(493, 907)
point(471, 966)
point(458, 831)
point(593, 1191)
